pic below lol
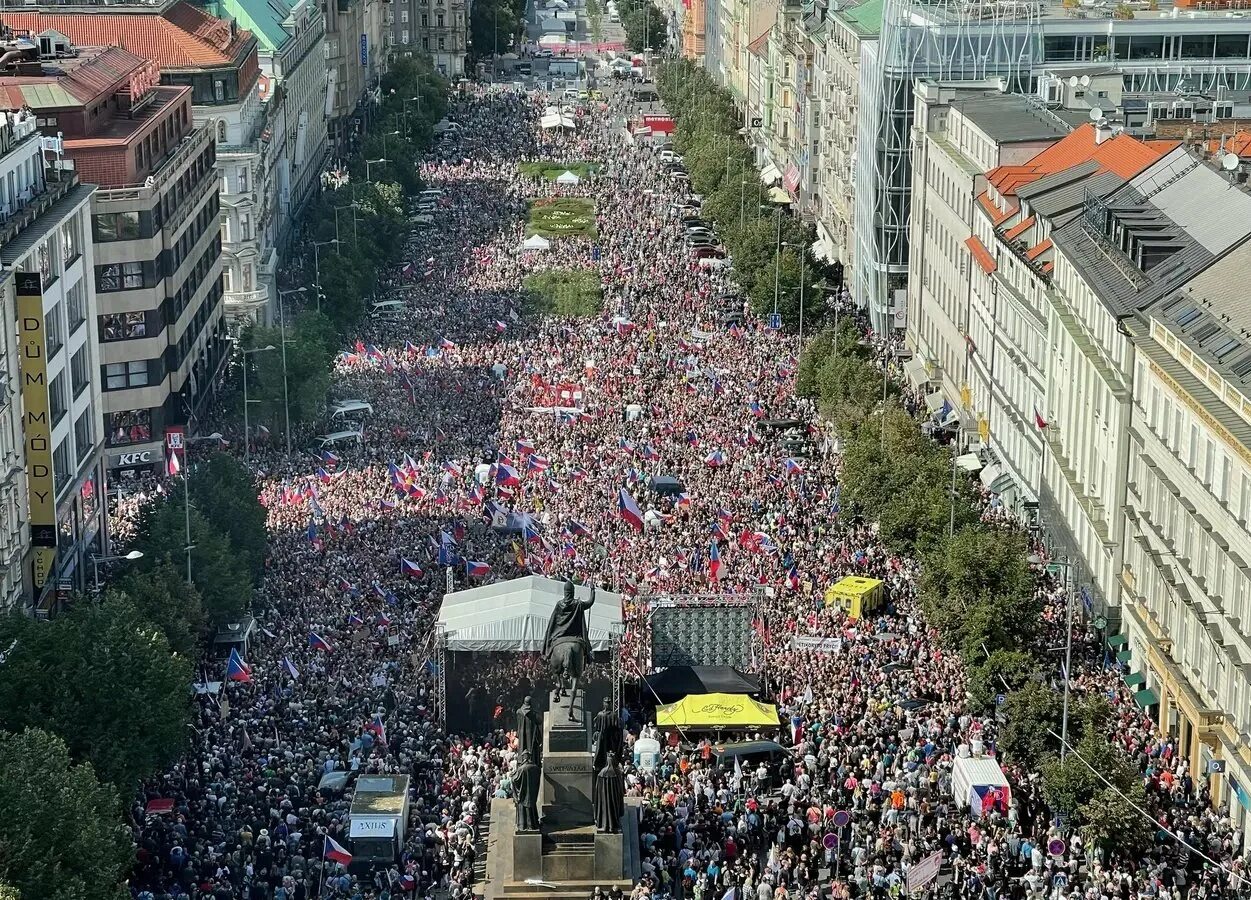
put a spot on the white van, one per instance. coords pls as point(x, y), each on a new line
point(348, 407)
point(714, 262)
point(334, 439)
point(387, 306)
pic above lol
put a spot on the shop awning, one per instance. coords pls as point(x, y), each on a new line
point(969, 462)
point(1118, 640)
point(770, 174)
point(934, 402)
point(717, 711)
point(1133, 679)
point(779, 196)
point(917, 374)
point(1124, 656)
point(1146, 698)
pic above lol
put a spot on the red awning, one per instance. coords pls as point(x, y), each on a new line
point(981, 254)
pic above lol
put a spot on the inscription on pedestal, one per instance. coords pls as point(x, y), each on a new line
point(572, 766)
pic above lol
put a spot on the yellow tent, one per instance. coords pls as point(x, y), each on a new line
point(717, 711)
point(857, 595)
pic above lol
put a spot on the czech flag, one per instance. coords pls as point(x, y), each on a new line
point(629, 510)
point(354, 619)
point(506, 475)
point(531, 534)
point(714, 459)
point(236, 668)
point(524, 447)
point(475, 569)
point(756, 409)
point(1039, 420)
point(452, 469)
point(334, 852)
point(289, 667)
point(577, 528)
point(536, 463)
point(445, 344)
point(500, 327)
point(793, 467)
point(792, 578)
point(378, 727)
point(714, 562)
point(408, 883)
point(317, 642)
point(409, 568)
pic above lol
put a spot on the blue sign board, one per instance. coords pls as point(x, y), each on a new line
point(364, 50)
point(775, 320)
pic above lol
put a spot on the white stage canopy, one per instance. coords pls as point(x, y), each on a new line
point(512, 615)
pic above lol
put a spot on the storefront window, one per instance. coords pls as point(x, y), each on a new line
point(130, 427)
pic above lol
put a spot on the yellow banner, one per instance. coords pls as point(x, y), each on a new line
point(36, 422)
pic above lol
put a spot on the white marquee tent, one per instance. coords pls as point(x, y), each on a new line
point(557, 120)
point(568, 178)
point(536, 242)
point(512, 615)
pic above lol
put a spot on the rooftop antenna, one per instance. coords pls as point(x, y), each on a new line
point(1096, 113)
point(1230, 163)
point(1085, 80)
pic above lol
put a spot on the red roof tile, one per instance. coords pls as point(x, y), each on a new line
point(981, 254)
point(1034, 252)
point(1239, 143)
point(996, 215)
point(1018, 229)
point(1122, 155)
point(182, 37)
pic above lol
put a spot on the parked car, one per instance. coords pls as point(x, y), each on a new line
point(544, 53)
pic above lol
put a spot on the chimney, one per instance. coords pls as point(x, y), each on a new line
point(1103, 131)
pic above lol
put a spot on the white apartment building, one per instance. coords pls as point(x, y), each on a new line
point(1187, 585)
point(45, 243)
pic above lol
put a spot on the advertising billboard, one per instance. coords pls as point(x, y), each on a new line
point(36, 423)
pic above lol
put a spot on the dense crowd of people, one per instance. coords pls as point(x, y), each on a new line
point(501, 444)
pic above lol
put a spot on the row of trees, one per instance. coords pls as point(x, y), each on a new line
point(769, 246)
point(976, 589)
point(359, 230)
point(98, 699)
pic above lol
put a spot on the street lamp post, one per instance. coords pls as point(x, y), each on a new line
point(742, 195)
point(317, 265)
point(802, 262)
point(385, 135)
point(286, 396)
point(247, 431)
point(96, 560)
point(378, 161)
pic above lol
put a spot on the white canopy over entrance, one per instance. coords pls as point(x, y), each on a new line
point(512, 615)
point(568, 178)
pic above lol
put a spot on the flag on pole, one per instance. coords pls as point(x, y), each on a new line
point(1039, 420)
point(629, 510)
point(333, 851)
point(289, 667)
point(714, 562)
point(174, 466)
point(236, 668)
point(317, 642)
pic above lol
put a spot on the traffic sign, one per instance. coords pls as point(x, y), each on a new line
point(1056, 846)
point(841, 818)
point(1001, 699)
point(830, 841)
point(775, 321)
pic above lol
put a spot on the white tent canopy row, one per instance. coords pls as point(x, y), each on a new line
point(513, 615)
point(556, 120)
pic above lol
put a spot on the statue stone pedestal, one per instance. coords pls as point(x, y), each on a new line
point(568, 770)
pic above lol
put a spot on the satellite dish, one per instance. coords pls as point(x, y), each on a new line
point(1096, 113)
point(1073, 81)
point(1085, 81)
point(1230, 162)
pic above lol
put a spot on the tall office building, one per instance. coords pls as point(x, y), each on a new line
point(218, 61)
point(49, 308)
point(154, 226)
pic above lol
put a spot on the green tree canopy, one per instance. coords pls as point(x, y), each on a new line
point(61, 836)
point(645, 25)
point(1032, 713)
point(225, 587)
point(307, 376)
point(119, 698)
point(163, 597)
point(224, 492)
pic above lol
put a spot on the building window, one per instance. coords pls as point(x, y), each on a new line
point(243, 179)
point(122, 326)
point(123, 226)
point(425, 20)
point(55, 333)
point(49, 265)
point(118, 376)
point(133, 426)
point(63, 469)
point(84, 436)
point(439, 20)
point(227, 280)
point(441, 43)
point(76, 306)
point(56, 399)
point(404, 15)
point(245, 227)
point(404, 36)
point(71, 241)
point(247, 276)
point(120, 277)
point(78, 371)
